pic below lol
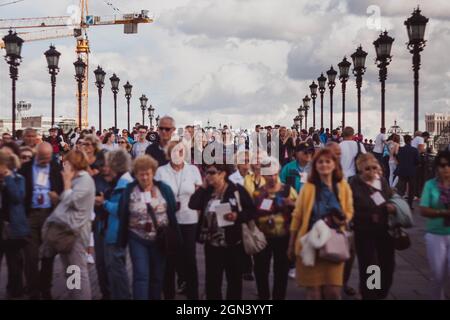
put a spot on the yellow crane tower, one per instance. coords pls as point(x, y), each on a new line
point(66, 26)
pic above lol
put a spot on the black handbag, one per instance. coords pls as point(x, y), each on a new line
point(401, 239)
point(166, 236)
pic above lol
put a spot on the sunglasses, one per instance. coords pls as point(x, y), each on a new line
point(165, 129)
point(212, 172)
point(371, 168)
point(443, 164)
point(25, 157)
point(122, 142)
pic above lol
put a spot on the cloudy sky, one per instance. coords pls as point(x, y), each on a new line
point(239, 62)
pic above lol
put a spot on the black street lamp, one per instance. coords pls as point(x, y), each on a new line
point(313, 89)
point(80, 68)
point(128, 88)
point(100, 83)
point(13, 47)
point(157, 121)
point(143, 100)
point(297, 122)
point(151, 114)
point(52, 56)
point(306, 101)
point(415, 25)
point(359, 61)
point(300, 115)
point(344, 67)
point(331, 74)
point(115, 89)
point(383, 47)
point(321, 81)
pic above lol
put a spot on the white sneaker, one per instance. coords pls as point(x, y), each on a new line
point(292, 273)
point(90, 258)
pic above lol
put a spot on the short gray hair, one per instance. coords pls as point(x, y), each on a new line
point(118, 160)
point(168, 118)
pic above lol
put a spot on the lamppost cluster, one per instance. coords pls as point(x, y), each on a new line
point(415, 26)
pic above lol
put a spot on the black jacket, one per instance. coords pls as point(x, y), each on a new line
point(364, 206)
point(408, 160)
point(233, 234)
point(154, 150)
point(56, 182)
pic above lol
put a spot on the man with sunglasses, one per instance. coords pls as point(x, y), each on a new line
point(296, 172)
point(141, 144)
point(158, 150)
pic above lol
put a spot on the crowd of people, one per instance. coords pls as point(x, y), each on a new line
point(323, 199)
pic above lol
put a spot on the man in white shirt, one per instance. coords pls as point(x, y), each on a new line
point(349, 151)
point(243, 167)
point(380, 142)
point(141, 144)
point(418, 142)
point(183, 179)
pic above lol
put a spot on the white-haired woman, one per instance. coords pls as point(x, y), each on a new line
point(274, 202)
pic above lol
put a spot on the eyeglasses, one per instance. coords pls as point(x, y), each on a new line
point(212, 172)
point(86, 144)
point(165, 129)
point(142, 132)
point(443, 164)
point(371, 168)
point(79, 143)
point(25, 157)
point(122, 142)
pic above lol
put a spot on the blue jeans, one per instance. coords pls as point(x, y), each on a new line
point(116, 268)
point(148, 269)
point(100, 265)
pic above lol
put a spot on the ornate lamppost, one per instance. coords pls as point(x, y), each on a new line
point(383, 47)
point(115, 89)
point(80, 68)
point(143, 100)
point(128, 88)
point(331, 74)
point(415, 25)
point(359, 61)
point(321, 80)
point(313, 89)
point(52, 55)
point(100, 83)
point(13, 47)
point(344, 67)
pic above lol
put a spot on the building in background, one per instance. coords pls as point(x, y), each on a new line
point(435, 123)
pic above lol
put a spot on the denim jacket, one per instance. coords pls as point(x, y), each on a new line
point(112, 206)
point(13, 206)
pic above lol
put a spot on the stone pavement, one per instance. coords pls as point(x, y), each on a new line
point(411, 278)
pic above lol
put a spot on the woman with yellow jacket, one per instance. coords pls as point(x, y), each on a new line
point(325, 196)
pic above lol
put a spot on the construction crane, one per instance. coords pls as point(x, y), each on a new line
point(67, 26)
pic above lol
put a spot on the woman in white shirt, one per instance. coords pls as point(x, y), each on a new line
point(109, 142)
point(393, 147)
point(183, 179)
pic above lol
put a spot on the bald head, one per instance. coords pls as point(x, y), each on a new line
point(335, 148)
point(44, 153)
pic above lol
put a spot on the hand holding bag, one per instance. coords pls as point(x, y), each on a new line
point(253, 239)
point(401, 239)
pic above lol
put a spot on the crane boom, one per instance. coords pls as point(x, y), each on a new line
point(47, 34)
point(67, 21)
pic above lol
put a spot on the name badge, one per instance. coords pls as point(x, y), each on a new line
point(213, 206)
point(146, 197)
point(42, 179)
point(303, 177)
point(266, 204)
point(378, 198)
